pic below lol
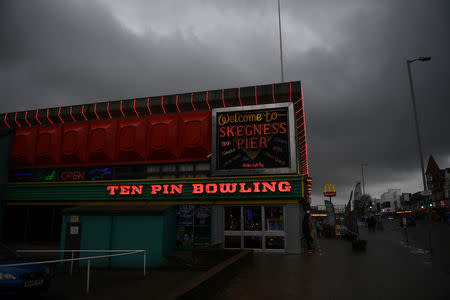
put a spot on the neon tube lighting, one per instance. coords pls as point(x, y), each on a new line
point(207, 102)
point(223, 98)
point(176, 103)
point(192, 102)
point(6, 114)
point(48, 117)
point(82, 112)
point(59, 115)
point(134, 107)
point(107, 109)
point(95, 111)
point(15, 119)
point(148, 106)
point(273, 94)
point(298, 100)
point(162, 104)
point(72, 115)
point(37, 119)
point(26, 113)
point(121, 110)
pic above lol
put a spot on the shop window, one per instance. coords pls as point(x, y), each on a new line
point(252, 218)
point(274, 242)
point(274, 218)
point(233, 218)
point(232, 241)
point(253, 242)
point(193, 226)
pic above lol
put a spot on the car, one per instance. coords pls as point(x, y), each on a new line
point(21, 280)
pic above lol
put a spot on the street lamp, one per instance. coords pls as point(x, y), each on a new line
point(281, 43)
point(408, 63)
point(362, 172)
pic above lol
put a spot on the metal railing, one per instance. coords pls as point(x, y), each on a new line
point(88, 258)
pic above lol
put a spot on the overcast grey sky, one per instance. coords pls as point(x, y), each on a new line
point(349, 55)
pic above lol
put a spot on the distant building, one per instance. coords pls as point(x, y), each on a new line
point(438, 183)
point(390, 201)
point(377, 204)
point(339, 209)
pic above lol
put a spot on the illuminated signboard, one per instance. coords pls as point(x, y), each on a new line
point(201, 188)
point(256, 139)
point(181, 191)
point(329, 190)
point(62, 174)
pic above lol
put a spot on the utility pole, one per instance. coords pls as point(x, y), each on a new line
point(281, 45)
point(362, 172)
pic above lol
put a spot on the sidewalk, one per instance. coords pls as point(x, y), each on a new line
point(386, 270)
point(167, 283)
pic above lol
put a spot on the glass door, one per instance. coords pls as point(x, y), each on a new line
point(233, 227)
point(253, 220)
point(254, 227)
point(274, 233)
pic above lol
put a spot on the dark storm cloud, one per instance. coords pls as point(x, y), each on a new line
point(350, 57)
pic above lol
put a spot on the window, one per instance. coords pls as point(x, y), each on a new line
point(252, 220)
point(254, 227)
point(233, 218)
point(274, 218)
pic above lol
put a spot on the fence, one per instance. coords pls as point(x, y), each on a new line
point(89, 258)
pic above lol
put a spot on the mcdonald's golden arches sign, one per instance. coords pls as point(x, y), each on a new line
point(329, 190)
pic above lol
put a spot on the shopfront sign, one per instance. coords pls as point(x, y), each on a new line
point(329, 190)
point(181, 191)
point(61, 174)
point(255, 139)
point(201, 188)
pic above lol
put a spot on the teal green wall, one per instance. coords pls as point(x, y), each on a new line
point(142, 233)
point(169, 232)
point(95, 234)
point(152, 232)
point(6, 140)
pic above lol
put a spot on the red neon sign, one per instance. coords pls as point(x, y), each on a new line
point(202, 188)
point(72, 175)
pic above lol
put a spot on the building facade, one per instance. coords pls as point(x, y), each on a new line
point(160, 173)
point(391, 201)
point(438, 183)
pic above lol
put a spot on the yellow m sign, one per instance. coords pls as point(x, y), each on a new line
point(329, 190)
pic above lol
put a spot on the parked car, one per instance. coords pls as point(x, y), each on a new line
point(21, 280)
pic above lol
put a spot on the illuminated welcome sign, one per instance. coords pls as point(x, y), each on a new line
point(254, 139)
point(202, 188)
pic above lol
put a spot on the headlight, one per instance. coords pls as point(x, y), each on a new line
point(7, 276)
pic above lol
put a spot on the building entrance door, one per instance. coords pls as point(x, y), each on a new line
point(254, 227)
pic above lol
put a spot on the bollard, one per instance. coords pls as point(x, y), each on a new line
point(88, 271)
point(71, 265)
point(145, 254)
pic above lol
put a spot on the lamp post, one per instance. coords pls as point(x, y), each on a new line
point(408, 63)
point(413, 99)
point(362, 173)
point(281, 44)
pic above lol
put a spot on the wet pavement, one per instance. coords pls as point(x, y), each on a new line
point(395, 265)
point(390, 268)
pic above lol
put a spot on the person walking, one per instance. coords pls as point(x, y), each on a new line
point(319, 228)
